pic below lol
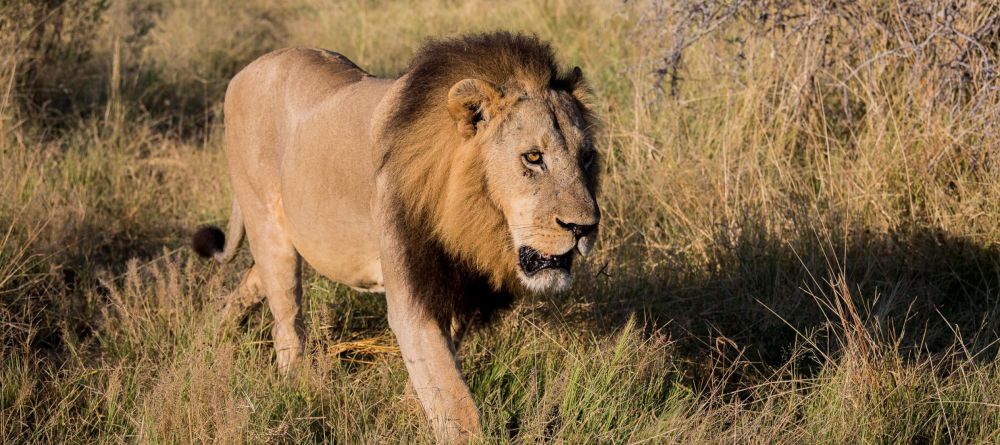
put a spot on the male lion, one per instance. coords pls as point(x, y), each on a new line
point(465, 182)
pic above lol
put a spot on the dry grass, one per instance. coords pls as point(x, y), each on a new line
point(801, 240)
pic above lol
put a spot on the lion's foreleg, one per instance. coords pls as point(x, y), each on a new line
point(459, 326)
point(429, 355)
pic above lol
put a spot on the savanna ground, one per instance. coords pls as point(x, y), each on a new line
point(800, 244)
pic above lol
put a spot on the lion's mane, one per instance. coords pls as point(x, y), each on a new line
point(438, 188)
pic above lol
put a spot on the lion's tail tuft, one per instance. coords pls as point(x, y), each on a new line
point(211, 242)
point(208, 241)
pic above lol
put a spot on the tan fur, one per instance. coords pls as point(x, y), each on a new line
point(415, 186)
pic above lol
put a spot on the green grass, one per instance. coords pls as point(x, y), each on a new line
point(800, 243)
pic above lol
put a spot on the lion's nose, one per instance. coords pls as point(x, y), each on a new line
point(579, 230)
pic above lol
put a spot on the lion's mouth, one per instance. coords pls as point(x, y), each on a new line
point(533, 261)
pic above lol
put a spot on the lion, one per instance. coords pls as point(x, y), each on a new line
point(469, 180)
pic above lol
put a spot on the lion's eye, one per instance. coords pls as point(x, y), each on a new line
point(533, 157)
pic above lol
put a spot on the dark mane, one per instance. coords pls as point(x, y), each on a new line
point(502, 58)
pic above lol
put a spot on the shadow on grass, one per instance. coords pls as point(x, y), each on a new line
point(756, 296)
point(751, 296)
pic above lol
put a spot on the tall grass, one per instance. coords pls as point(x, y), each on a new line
point(800, 241)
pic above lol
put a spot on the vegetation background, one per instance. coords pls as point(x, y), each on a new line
point(801, 240)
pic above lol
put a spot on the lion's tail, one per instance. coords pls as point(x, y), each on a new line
point(210, 241)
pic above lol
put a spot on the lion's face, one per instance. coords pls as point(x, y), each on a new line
point(540, 167)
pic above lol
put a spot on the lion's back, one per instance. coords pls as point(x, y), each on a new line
point(292, 79)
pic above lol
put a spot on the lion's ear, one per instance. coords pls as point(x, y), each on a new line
point(574, 82)
point(467, 102)
point(575, 78)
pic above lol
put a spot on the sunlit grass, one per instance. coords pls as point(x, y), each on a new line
point(799, 237)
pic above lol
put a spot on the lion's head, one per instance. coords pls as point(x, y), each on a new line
point(491, 150)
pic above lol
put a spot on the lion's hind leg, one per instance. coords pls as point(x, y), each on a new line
point(278, 267)
point(247, 295)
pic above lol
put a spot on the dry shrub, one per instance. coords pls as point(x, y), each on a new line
point(848, 63)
